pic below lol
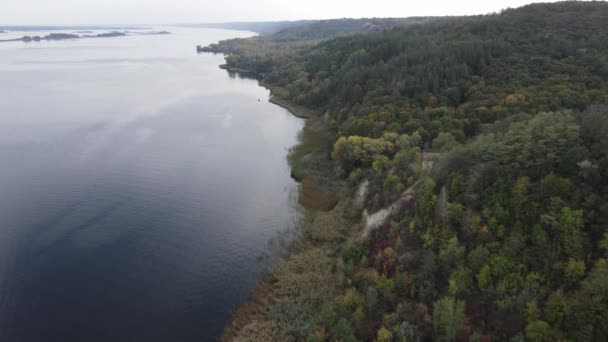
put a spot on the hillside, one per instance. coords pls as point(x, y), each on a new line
point(314, 29)
point(280, 39)
point(498, 126)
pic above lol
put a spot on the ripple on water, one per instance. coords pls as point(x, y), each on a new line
point(135, 199)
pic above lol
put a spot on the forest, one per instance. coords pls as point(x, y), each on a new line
point(312, 29)
point(490, 133)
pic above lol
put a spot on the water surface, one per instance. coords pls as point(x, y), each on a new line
point(138, 183)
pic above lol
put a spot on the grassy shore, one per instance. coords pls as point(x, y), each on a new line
point(293, 288)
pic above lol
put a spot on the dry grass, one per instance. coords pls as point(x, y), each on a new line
point(333, 226)
point(247, 314)
point(312, 197)
point(283, 304)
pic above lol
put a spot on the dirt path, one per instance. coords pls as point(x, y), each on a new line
point(373, 221)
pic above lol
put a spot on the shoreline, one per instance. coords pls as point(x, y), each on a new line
point(294, 109)
point(318, 200)
point(69, 36)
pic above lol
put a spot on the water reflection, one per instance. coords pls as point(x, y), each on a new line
point(139, 182)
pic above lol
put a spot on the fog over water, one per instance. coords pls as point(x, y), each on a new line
point(138, 183)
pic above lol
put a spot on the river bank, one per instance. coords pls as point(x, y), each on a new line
point(308, 275)
point(295, 110)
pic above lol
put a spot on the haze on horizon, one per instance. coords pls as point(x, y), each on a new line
point(96, 12)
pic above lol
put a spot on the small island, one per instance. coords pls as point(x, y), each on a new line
point(152, 33)
point(64, 36)
point(107, 35)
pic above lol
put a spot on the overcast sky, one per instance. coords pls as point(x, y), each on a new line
point(83, 12)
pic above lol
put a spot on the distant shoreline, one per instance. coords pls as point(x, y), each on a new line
point(22, 28)
point(69, 36)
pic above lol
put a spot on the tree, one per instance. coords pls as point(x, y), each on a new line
point(484, 277)
point(532, 311)
point(380, 163)
point(416, 139)
point(404, 142)
point(555, 309)
point(427, 200)
point(460, 282)
point(343, 331)
point(574, 270)
point(448, 316)
point(538, 331)
point(571, 235)
point(586, 314)
point(384, 335)
point(444, 142)
point(519, 195)
point(342, 154)
point(442, 205)
point(391, 183)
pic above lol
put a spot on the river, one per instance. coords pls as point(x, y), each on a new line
point(138, 184)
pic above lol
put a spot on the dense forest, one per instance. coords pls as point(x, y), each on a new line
point(488, 136)
point(279, 40)
point(315, 29)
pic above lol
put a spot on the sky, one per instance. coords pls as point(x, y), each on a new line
point(93, 12)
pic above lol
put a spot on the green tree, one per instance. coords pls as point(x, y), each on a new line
point(555, 309)
point(532, 311)
point(448, 316)
point(574, 270)
point(343, 331)
point(571, 235)
point(460, 282)
point(538, 331)
point(427, 200)
point(380, 163)
point(519, 195)
point(484, 277)
point(444, 142)
point(384, 335)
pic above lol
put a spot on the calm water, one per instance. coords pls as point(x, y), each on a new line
point(138, 183)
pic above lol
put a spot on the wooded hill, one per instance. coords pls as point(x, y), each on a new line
point(279, 38)
point(506, 237)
